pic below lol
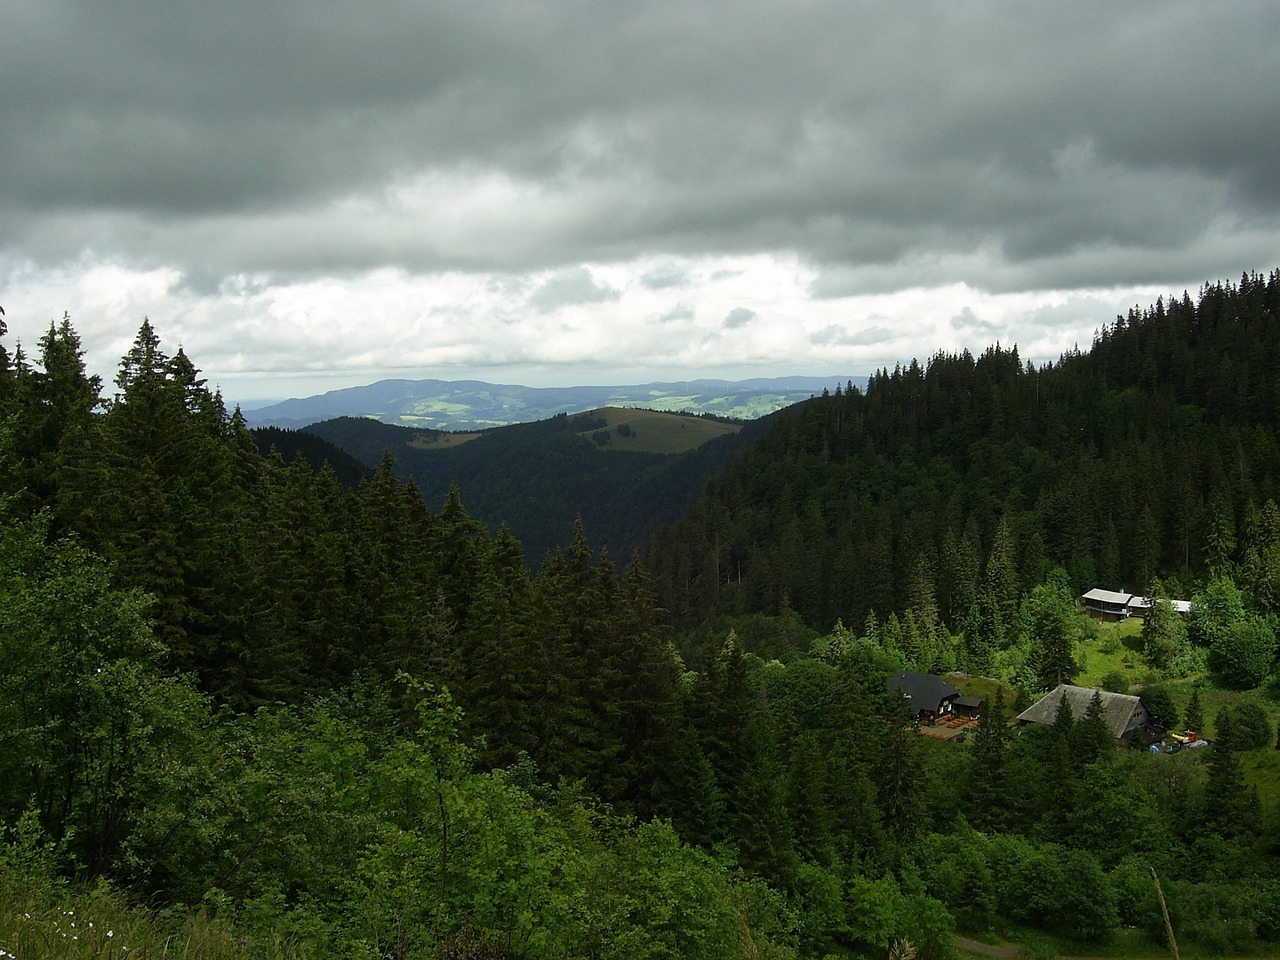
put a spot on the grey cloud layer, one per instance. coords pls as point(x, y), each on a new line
point(1008, 145)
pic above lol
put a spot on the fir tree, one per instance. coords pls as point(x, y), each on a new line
point(1163, 632)
point(898, 774)
point(1227, 807)
point(987, 779)
point(1193, 716)
point(1091, 737)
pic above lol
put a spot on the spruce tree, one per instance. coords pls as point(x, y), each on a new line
point(1193, 716)
point(1091, 737)
point(1054, 653)
point(1163, 632)
point(899, 775)
point(1227, 807)
point(57, 416)
point(808, 800)
point(987, 779)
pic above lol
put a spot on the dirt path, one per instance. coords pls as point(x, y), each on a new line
point(1003, 951)
point(1006, 951)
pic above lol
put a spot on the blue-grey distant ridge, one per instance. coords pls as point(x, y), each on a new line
point(475, 404)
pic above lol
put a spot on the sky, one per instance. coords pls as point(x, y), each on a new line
point(311, 195)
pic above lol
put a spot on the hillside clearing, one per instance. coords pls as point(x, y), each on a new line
point(652, 431)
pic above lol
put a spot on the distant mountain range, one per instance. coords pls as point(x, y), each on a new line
point(476, 405)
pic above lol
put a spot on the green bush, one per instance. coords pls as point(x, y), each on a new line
point(1116, 682)
point(1252, 726)
point(1244, 653)
point(1160, 705)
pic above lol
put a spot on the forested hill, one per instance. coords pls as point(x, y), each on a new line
point(538, 478)
point(316, 451)
point(951, 486)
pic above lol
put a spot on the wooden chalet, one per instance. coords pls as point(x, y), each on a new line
point(1111, 606)
point(931, 697)
point(1107, 605)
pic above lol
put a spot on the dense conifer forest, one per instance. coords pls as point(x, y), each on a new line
point(252, 711)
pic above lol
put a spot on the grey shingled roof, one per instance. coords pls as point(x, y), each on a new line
point(924, 690)
point(1117, 708)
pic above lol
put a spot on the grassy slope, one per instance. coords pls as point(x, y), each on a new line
point(653, 431)
point(441, 440)
point(1117, 649)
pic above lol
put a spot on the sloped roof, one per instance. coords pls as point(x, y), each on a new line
point(1107, 596)
point(1117, 708)
point(1131, 600)
point(924, 690)
point(1146, 603)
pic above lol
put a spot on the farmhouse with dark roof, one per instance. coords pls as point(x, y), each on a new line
point(930, 696)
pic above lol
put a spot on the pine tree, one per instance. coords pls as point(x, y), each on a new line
point(1091, 738)
point(8, 375)
point(762, 824)
point(987, 779)
point(1227, 807)
point(578, 619)
point(57, 415)
point(1193, 716)
point(1000, 583)
point(693, 802)
point(1163, 632)
point(1054, 653)
point(808, 800)
point(643, 699)
point(505, 667)
point(1060, 775)
point(400, 623)
point(899, 775)
point(722, 709)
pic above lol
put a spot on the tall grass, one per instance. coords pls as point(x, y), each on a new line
point(42, 918)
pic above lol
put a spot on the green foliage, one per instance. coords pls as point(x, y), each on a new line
point(1164, 712)
point(1250, 726)
point(1051, 628)
point(987, 776)
point(88, 719)
point(1115, 681)
point(957, 873)
point(1244, 653)
point(1214, 611)
point(1163, 631)
point(1193, 716)
point(1228, 809)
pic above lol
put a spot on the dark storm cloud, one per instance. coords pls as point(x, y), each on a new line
point(1010, 146)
